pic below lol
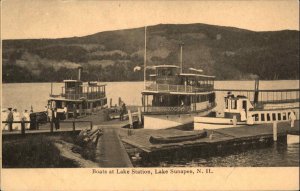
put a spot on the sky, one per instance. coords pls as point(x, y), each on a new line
point(22, 19)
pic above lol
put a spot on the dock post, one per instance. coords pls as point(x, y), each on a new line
point(23, 127)
point(275, 131)
point(211, 135)
point(73, 125)
point(110, 102)
point(91, 125)
point(140, 115)
point(91, 107)
point(10, 123)
point(120, 101)
point(37, 124)
point(51, 121)
point(80, 109)
point(234, 121)
point(130, 122)
point(130, 118)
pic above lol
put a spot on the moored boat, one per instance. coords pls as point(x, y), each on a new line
point(273, 106)
point(173, 98)
point(176, 139)
point(78, 98)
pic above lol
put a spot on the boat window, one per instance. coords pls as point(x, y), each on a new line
point(255, 117)
point(268, 117)
point(274, 116)
point(279, 116)
point(233, 104)
point(283, 116)
point(289, 113)
point(262, 117)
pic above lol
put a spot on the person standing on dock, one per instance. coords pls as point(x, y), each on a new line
point(123, 111)
point(4, 118)
point(26, 117)
point(10, 119)
point(292, 118)
point(49, 114)
point(16, 117)
point(56, 119)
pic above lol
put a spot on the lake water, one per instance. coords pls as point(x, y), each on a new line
point(24, 95)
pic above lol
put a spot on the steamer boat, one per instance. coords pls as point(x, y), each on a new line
point(173, 95)
point(78, 98)
point(268, 106)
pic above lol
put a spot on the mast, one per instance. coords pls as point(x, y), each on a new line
point(145, 57)
point(256, 91)
point(181, 62)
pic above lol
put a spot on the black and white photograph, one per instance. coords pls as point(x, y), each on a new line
point(152, 88)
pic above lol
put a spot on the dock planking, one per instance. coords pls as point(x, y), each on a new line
point(140, 137)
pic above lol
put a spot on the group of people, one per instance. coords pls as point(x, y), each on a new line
point(12, 115)
point(52, 115)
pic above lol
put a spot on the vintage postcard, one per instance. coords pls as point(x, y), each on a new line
point(149, 95)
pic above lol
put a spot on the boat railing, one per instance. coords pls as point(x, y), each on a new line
point(76, 96)
point(267, 96)
point(166, 109)
point(177, 88)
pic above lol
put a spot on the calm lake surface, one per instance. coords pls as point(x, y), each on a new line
point(24, 95)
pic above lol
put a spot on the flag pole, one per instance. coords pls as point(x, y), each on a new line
point(145, 57)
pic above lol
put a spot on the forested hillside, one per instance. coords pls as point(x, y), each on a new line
point(226, 52)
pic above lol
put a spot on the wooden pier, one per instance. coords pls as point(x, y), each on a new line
point(232, 136)
point(112, 150)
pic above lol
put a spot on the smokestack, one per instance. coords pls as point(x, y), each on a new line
point(79, 73)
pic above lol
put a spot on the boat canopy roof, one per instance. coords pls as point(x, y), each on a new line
point(166, 66)
point(72, 81)
point(198, 75)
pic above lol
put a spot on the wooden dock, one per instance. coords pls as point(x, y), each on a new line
point(231, 136)
point(110, 152)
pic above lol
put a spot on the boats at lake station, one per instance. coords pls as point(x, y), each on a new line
point(177, 115)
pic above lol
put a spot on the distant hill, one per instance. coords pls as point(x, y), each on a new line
point(226, 52)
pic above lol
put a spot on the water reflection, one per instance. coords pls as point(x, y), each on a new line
point(275, 155)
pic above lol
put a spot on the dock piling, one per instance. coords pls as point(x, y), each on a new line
point(130, 118)
point(211, 135)
point(120, 101)
point(140, 115)
point(37, 124)
point(23, 127)
point(73, 125)
point(275, 131)
point(51, 122)
point(234, 120)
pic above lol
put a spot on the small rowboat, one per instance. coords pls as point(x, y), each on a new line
point(176, 139)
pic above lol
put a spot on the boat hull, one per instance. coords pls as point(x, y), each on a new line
point(176, 139)
point(166, 121)
point(270, 116)
point(214, 123)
